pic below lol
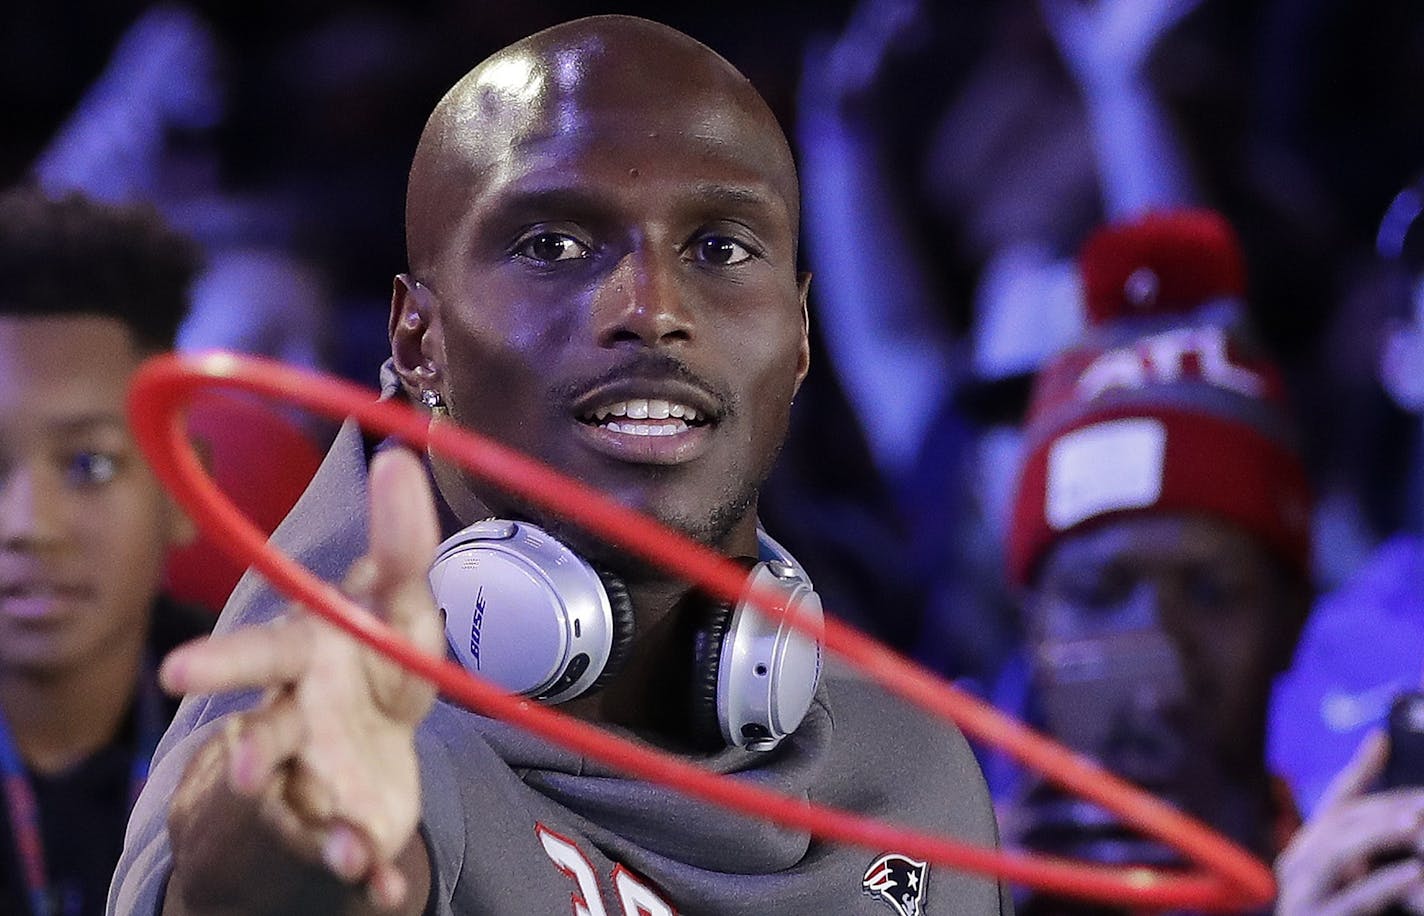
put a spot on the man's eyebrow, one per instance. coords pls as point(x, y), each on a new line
point(578, 201)
point(551, 202)
point(95, 421)
point(743, 195)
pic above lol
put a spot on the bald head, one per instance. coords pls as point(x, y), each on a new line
point(610, 70)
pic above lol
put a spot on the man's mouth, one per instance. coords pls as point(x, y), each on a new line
point(33, 599)
point(644, 417)
point(660, 423)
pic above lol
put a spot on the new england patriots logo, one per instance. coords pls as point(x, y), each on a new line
point(898, 882)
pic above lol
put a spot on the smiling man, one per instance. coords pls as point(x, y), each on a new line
point(601, 233)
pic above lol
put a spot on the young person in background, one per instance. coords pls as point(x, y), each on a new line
point(90, 291)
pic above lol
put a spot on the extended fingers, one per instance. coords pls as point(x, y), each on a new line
point(350, 857)
point(261, 741)
point(1363, 769)
point(1370, 895)
point(404, 534)
point(388, 886)
point(1342, 843)
point(252, 658)
point(403, 528)
point(346, 852)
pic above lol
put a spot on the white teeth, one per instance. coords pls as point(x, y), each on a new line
point(645, 409)
point(641, 429)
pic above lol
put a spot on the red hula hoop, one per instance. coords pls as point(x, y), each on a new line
point(1227, 879)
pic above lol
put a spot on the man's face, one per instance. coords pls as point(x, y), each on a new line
point(620, 300)
point(83, 523)
point(1206, 598)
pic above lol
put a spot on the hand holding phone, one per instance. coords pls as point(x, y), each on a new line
point(1405, 764)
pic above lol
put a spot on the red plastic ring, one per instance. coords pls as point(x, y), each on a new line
point(1228, 878)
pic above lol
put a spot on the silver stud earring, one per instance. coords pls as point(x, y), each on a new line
point(431, 398)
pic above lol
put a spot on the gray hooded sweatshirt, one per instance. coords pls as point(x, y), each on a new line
point(515, 825)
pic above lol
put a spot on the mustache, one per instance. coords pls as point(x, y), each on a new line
point(652, 367)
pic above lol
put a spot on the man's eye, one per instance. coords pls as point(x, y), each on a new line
point(720, 250)
point(91, 468)
point(1215, 592)
point(548, 247)
point(1103, 590)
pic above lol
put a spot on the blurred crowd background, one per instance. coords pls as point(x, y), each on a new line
point(955, 155)
point(279, 134)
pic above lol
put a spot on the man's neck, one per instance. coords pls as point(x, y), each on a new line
point(637, 697)
point(654, 691)
point(58, 719)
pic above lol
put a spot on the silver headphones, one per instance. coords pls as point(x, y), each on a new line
point(530, 615)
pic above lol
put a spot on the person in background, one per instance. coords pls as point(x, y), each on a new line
point(943, 249)
point(1361, 852)
point(1160, 539)
point(90, 291)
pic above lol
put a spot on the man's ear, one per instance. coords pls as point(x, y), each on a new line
point(803, 357)
point(417, 345)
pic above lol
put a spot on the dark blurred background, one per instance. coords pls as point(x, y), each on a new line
point(315, 107)
point(279, 134)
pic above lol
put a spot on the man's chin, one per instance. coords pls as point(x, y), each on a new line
point(615, 558)
point(709, 527)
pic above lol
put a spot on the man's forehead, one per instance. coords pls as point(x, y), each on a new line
point(517, 110)
point(40, 349)
point(494, 103)
point(33, 336)
point(514, 104)
point(1157, 540)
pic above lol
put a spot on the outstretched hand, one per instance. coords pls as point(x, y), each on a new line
point(1361, 853)
point(1110, 40)
point(843, 71)
point(328, 756)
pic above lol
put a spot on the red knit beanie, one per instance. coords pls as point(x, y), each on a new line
point(1168, 263)
point(1178, 414)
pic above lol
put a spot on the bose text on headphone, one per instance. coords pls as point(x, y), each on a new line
point(526, 612)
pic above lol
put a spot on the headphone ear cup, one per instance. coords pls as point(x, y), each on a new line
point(706, 725)
point(621, 605)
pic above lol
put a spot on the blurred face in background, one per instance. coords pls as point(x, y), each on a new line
point(1155, 640)
point(84, 525)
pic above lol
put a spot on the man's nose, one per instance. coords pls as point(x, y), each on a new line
point(1145, 741)
point(642, 302)
point(29, 511)
point(1158, 601)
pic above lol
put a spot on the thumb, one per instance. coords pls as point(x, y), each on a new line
point(1357, 776)
point(403, 537)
